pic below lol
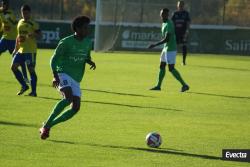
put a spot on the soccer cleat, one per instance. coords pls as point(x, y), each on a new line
point(23, 89)
point(44, 133)
point(33, 94)
point(183, 64)
point(184, 88)
point(156, 88)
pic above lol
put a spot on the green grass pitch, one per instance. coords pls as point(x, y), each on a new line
point(118, 110)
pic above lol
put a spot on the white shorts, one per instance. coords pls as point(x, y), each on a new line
point(168, 57)
point(67, 81)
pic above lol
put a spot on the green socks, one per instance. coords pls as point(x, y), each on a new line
point(177, 75)
point(56, 111)
point(161, 77)
point(64, 117)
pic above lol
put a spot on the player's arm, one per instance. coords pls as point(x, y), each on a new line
point(37, 34)
point(17, 45)
point(188, 22)
point(1, 26)
point(54, 62)
point(162, 41)
point(90, 62)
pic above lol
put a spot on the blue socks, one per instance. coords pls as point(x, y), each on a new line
point(33, 82)
point(19, 77)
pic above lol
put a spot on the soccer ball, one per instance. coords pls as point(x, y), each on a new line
point(153, 139)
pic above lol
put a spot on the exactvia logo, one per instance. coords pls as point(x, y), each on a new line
point(236, 155)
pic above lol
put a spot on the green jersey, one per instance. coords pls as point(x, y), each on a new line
point(70, 57)
point(168, 28)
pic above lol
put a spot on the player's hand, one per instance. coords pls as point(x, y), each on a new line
point(92, 65)
point(151, 46)
point(55, 82)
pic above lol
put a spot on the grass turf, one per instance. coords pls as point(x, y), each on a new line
point(118, 110)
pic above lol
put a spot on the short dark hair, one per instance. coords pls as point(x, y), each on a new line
point(79, 21)
point(26, 8)
point(165, 10)
point(181, 1)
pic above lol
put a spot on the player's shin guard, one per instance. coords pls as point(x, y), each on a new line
point(177, 76)
point(33, 81)
point(64, 117)
point(161, 77)
point(19, 78)
point(184, 53)
point(59, 107)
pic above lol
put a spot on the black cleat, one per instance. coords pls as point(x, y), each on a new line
point(155, 88)
point(32, 94)
point(184, 88)
point(23, 89)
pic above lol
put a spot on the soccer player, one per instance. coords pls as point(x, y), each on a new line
point(181, 21)
point(9, 29)
point(25, 50)
point(168, 55)
point(68, 66)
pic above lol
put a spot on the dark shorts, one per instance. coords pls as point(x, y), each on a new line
point(6, 44)
point(180, 39)
point(28, 58)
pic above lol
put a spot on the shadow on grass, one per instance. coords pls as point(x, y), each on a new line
point(92, 90)
point(222, 68)
point(116, 93)
point(218, 95)
point(61, 141)
point(151, 150)
point(116, 104)
point(5, 123)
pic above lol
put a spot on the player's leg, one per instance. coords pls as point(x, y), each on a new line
point(184, 50)
point(59, 107)
point(24, 72)
point(31, 63)
point(10, 47)
point(162, 72)
point(33, 80)
point(17, 60)
point(171, 58)
point(75, 105)
point(3, 46)
point(72, 94)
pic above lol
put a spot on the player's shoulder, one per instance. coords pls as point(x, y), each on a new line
point(66, 40)
point(169, 22)
point(32, 22)
point(175, 12)
point(185, 12)
point(21, 21)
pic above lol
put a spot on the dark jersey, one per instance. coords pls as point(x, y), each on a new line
point(180, 19)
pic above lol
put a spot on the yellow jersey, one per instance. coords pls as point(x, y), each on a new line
point(27, 43)
point(8, 24)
